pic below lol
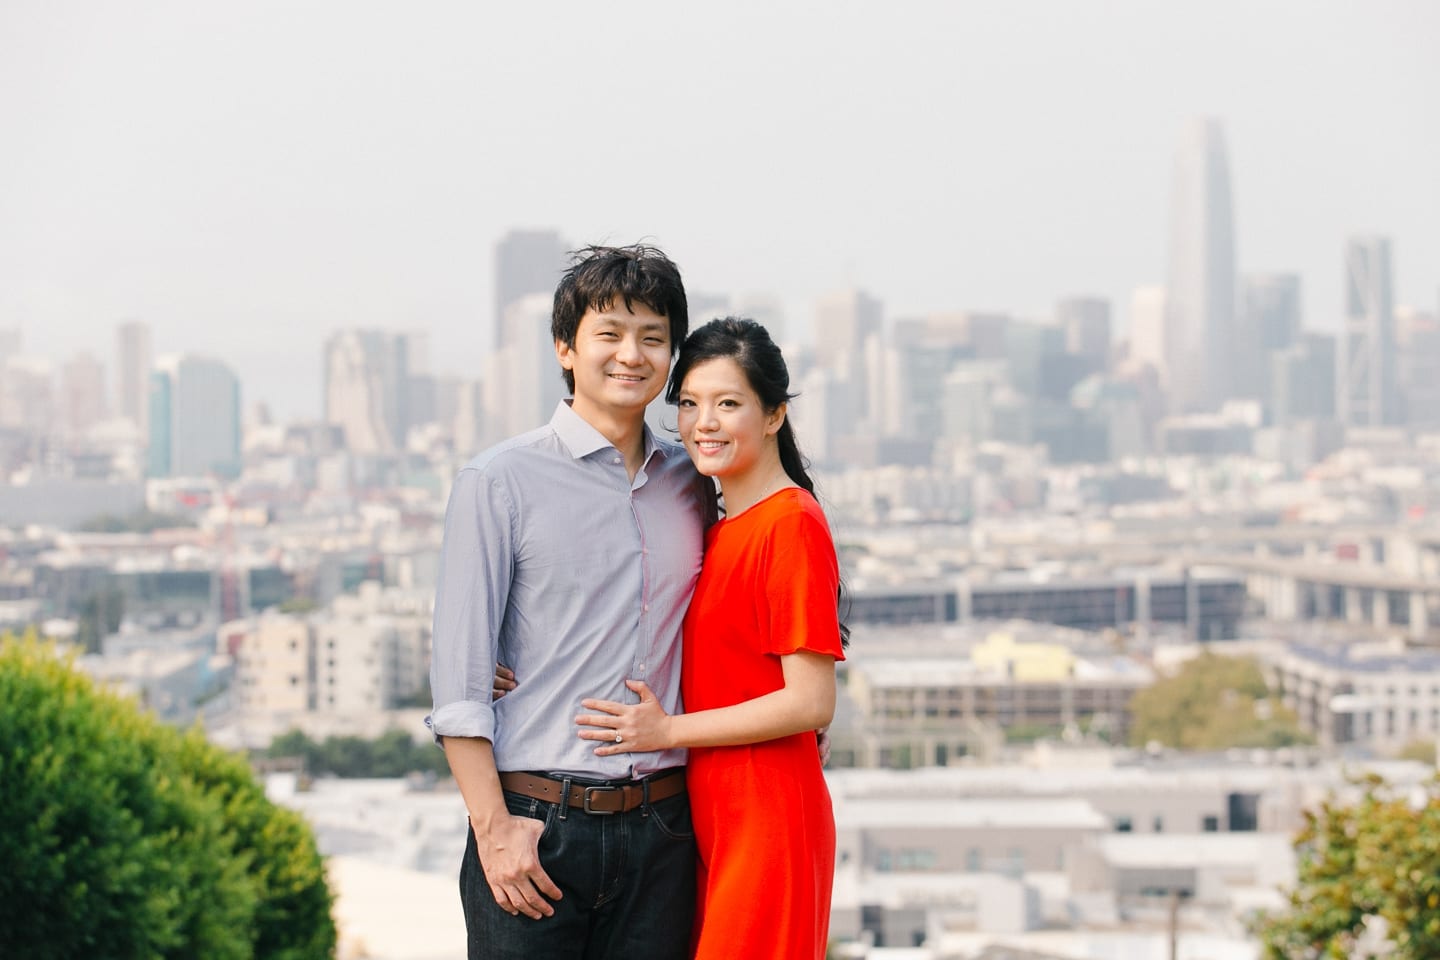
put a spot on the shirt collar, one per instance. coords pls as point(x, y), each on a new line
point(581, 439)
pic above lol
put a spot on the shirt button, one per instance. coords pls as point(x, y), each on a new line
point(616, 460)
point(645, 608)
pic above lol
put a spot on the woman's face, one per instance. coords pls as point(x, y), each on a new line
point(724, 426)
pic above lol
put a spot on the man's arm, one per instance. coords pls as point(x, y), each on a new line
point(470, 598)
point(508, 845)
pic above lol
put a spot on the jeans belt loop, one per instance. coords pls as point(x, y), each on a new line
point(564, 798)
point(645, 797)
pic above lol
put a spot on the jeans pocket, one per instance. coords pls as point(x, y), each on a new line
point(672, 817)
point(520, 805)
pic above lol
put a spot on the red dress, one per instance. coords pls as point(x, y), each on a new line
point(763, 820)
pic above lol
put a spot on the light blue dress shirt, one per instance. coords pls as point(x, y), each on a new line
point(558, 565)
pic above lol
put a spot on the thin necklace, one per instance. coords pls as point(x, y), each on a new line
point(770, 488)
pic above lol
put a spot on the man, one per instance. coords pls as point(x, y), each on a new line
point(570, 555)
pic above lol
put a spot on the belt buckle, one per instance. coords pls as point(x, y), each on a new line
point(585, 799)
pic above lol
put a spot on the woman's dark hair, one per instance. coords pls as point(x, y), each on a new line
point(598, 276)
point(755, 353)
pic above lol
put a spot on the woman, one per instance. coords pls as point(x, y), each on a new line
point(758, 677)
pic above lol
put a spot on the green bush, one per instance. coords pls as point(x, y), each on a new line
point(121, 837)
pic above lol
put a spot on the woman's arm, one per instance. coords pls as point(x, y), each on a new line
point(805, 703)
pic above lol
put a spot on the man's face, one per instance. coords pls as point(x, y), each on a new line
point(620, 359)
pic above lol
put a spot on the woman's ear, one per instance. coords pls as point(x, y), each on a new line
point(774, 420)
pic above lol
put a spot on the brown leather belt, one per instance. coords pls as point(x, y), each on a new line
point(605, 799)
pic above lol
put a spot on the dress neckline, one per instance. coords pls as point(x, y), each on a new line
point(753, 508)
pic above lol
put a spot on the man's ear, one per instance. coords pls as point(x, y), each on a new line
point(565, 354)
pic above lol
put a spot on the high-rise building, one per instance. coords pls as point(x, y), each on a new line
point(843, 321)
point(367, 388)
point(1200, 335)
point(82, 393)
point(523, 380)
point(1302, 380)
point(1086, 322)
point(1147, 329)
point(194, 417)
point(1270, 317)
point(1366, 383)
point(133, 356)
point(526, 262)
point(27, 395)
point(1419, 365)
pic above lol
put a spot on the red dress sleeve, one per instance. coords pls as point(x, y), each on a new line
point(801, 581)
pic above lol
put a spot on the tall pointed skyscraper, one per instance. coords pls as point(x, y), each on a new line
point(1201, 338)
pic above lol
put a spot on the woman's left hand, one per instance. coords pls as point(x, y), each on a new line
point(639, 727)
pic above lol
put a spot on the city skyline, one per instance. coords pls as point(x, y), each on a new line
point(272, 180)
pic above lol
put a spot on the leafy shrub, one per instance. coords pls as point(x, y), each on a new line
point(121, 837)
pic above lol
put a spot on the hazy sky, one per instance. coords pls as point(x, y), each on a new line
point(250, 176)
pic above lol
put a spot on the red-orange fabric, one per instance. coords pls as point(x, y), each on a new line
point(763, 819)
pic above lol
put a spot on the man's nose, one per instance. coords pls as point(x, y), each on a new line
point(629, 350)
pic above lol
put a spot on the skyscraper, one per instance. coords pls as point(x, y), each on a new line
point(523, 381)
point(526, 262)
point(1086, 322)
point(132, 373)
point(1366, 383)
point(843, 322)
point(1200, 334)
point(1147, 330)
point(194, 417)
point(366, 388)
point(1270, 317)
point(82, 393)
point(1418, 365)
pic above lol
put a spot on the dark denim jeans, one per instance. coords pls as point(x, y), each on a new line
point(628, 881)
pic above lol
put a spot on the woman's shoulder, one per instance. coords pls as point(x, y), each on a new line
point(795, 508)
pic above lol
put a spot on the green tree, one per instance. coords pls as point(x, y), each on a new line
point(393, 754)
point(141, 521)
point(1213, 703)
point(121, 837)
point(1375, 859)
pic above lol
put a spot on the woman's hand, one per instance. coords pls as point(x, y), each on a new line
point(640, 727)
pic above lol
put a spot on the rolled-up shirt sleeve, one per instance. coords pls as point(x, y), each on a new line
point(473, 585)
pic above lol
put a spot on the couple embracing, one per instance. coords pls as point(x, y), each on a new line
point(632, 795)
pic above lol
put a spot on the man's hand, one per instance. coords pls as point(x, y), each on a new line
point(822, 740)
point(504, 681)
point(510, 855)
